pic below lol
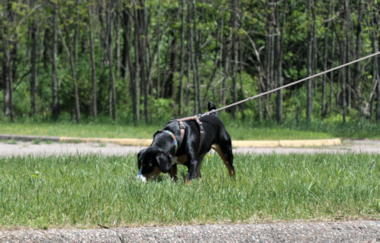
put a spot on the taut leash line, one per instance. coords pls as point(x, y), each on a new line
point(288, 85)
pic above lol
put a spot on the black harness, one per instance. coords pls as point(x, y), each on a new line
point(183, 128)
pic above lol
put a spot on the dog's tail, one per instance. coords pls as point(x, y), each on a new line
point(211, 106)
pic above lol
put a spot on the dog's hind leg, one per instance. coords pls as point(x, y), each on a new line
point(199, 165)
point(225, 153)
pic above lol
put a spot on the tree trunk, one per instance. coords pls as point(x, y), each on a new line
point(7, 77)
point(378, 71)
point(378, 90)
point(279, 54)
point(309, 110)
point(268, 59)
point(180, 91)
point(358, 47)
point(234, 55)
point(73, 74)
point(103, 35)
point(127, 59)
point(343, 80)
point(143, 37)
point(375, 71)
point(259, 102)
point(315, 47)
point(342, 49)
point(241, 79)
point(135, 83)
point(158, 73)
point(117, 42)
point(112, 92)
point(190, 41)
point(8, 56)
point(378, 81)
point(158, 58)
point(189, 57)
point(348, 72)
point(33, 61)
point(76, 35)
point(93, 69)
point(221, 90)
point(227, 54)
point(46, 48)
point(55, 104)
point(126, 43)
point(324, 107)
point(332, 60)
point(196, 57)
point(168, 89)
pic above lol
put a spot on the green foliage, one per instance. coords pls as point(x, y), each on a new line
point(37, 141)
point(165, 29)
point(104, 128)
point(163, 109)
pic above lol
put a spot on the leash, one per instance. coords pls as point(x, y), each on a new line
point(288, 85)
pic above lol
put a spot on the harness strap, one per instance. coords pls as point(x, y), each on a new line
point(183, 127)
point(201, 133)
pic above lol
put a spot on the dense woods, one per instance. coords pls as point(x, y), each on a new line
point(146, 60)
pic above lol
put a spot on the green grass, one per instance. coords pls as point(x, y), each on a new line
point(238, 131)
point(78, 130)
point(84, 191)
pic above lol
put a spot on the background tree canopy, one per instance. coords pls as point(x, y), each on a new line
point(146, 60)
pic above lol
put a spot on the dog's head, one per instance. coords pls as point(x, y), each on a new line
point(151, 162)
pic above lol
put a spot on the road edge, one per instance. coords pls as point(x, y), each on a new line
point(147, 142)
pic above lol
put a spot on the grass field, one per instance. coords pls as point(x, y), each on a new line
point(84, 191)
point(237, 131)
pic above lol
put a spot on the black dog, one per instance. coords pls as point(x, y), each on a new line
point(171, 146)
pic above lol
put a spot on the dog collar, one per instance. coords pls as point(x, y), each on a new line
point(174, 139)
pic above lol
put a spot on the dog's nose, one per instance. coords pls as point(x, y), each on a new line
point(140, 176)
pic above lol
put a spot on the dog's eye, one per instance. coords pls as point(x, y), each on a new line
point(158, 154)
point(144, 165)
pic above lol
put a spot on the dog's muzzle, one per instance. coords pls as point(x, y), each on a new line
point(140, 176)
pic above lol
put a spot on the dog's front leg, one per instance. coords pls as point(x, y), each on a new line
point(192, 171)
point(173, 173)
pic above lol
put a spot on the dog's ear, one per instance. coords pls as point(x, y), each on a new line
point(159, 131)
point(164, 162)
point(139, 154)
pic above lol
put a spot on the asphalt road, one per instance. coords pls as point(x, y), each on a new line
point(349, 231)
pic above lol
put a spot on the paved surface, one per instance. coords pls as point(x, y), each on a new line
point(43, 149)
point(148, 142)
point(351, 231)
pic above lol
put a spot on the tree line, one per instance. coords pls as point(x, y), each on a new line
point(75, 58)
